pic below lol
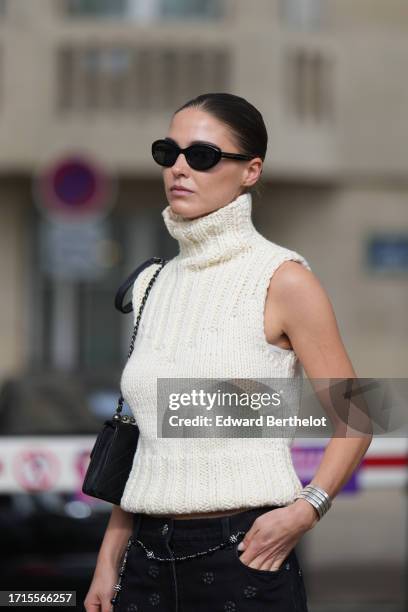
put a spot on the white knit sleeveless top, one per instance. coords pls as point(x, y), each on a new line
point(204, 318)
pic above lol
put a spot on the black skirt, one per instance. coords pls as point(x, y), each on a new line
point(193, 565)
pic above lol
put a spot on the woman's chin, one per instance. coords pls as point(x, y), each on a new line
point(183, 207)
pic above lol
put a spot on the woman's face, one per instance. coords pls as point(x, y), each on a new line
point(210, 189)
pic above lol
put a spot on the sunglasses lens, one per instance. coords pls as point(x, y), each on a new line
point(164, 153)
point(201, 157)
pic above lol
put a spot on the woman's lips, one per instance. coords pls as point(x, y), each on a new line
point(181, 191)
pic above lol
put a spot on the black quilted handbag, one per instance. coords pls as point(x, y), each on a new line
point(113, 452)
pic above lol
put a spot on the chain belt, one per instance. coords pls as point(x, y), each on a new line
point(150, 555)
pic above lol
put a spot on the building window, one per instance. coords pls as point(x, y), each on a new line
point(145, 78)
point(309, 85)
point(74, 320)
point(146, 10)
point(304, 15)
point(96, 8)
point(191, 9)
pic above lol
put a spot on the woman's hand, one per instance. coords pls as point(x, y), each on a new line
point(273, 535)
point(101, 591)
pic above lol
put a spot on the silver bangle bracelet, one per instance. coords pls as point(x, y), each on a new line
point(311, 501)
point(315, 502)
point(323, 501)
point(320, 492)
point(321, 504)
point(317, 497)
point(317, 491)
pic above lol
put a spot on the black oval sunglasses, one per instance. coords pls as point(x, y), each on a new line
point(198, 156)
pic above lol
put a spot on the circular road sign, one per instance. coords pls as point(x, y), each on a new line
point(73, 188)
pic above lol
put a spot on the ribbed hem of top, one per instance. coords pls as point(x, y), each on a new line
point(180, 484)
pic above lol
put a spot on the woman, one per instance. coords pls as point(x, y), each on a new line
point(232, 305)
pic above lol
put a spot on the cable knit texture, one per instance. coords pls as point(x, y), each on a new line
point(204, 318)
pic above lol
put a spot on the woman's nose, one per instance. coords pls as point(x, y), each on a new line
point(180, 165)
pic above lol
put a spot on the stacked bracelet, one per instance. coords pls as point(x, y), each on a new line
point(317, 497)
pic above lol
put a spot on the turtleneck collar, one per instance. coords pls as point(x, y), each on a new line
point(215, 237)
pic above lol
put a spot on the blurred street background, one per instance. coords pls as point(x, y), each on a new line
point(85, 88)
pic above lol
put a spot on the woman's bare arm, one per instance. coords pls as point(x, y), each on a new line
point(117, 533)
point(116, 536)
point(306, 316)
